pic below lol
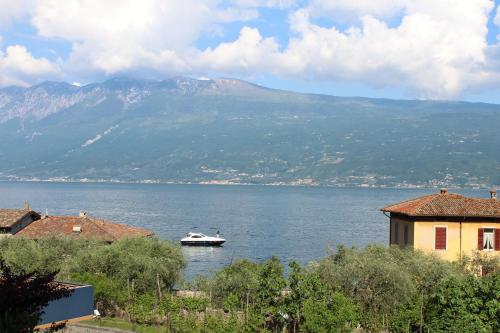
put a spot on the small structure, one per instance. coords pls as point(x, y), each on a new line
point(78, 306)
point(447, 224)
point(13, 220)
point(80, 226)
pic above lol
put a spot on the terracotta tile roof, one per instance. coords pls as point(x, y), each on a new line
point(9, 217)
point(446, 204)
point(90, 228)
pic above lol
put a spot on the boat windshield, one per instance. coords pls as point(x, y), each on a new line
point(193, 235)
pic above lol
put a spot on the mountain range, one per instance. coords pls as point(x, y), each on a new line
point(185, 130)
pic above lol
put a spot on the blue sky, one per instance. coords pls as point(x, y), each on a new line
point(439, 49)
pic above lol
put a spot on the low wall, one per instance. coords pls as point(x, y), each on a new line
point(80, 328)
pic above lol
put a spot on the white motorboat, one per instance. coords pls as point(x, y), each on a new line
point(199, 239)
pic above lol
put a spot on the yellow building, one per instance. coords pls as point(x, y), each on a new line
point(447, 224)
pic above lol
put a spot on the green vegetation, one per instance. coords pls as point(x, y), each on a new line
point(24, 295)
point(375, 289)
point(127, 267)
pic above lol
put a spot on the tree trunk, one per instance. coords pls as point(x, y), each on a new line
point(158, 285)
point(421, 312)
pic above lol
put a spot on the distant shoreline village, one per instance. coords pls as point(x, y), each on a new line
point(299, 183)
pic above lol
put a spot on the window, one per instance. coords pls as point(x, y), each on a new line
point(488, 239)
point(396, 233)
point(406, 234)
point(440, 238)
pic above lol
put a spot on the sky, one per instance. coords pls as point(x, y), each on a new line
point(412, 49)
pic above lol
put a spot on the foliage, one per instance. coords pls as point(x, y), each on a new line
point(117, 271)
point(333, 314)
point(375, 288)
point(270, 298)
point(389, 283)
point(108, 293)
point(44, 255)
point(240, 279)
point(140, 263)
point(24, 295)
point(466, 304)
point(480, 263)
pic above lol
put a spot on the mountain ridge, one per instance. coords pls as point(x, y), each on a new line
point(232, 131)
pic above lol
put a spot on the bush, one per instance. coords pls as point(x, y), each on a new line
point(126, 267)
point(109, 294)
point(333, 314)
point(44, 255)
point(239, 280)
point(137, 263)
point(465, 304)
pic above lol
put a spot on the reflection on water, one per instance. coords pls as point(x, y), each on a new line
point(257, 221)
point(199, 255)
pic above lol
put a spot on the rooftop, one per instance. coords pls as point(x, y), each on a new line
point(447, 204)
point(9, 217)
point(80, 226)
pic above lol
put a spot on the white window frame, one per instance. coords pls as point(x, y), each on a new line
point(434, 238)
point(488, 250)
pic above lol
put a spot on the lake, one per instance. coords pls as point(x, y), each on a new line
point(300, 223)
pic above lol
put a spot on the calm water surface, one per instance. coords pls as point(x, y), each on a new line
point(300, 223)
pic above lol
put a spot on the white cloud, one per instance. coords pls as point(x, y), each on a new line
point(433, 48)
point(437, 50)
point(248, 54)
point(11, 10)
point(125, 35)
point(19, 67)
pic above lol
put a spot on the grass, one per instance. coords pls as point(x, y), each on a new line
point(125, 325)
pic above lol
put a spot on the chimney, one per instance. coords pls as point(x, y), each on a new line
point(493, 194)
point(82, 214)
point(443, 191)
point(26, 205)
point(44, 216)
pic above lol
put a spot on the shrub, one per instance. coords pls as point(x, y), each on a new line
point(240, 279)
point(465, 304)
point(140, 263)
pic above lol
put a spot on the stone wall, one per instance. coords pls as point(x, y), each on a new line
point(80, 328)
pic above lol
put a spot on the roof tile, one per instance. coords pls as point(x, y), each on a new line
point(447, 204)
point(9, 217)
point(90, 228)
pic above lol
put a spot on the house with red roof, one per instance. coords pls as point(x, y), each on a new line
point(81, 226)
point(13, 220)
point(447, 224)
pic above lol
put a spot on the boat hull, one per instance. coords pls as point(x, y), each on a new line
point(202, 243)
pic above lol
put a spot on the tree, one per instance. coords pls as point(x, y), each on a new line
point(332, 313)
point(144, 261)
point(240, 280)
point(24, 295)
point(270, 294)
point(466, 304)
